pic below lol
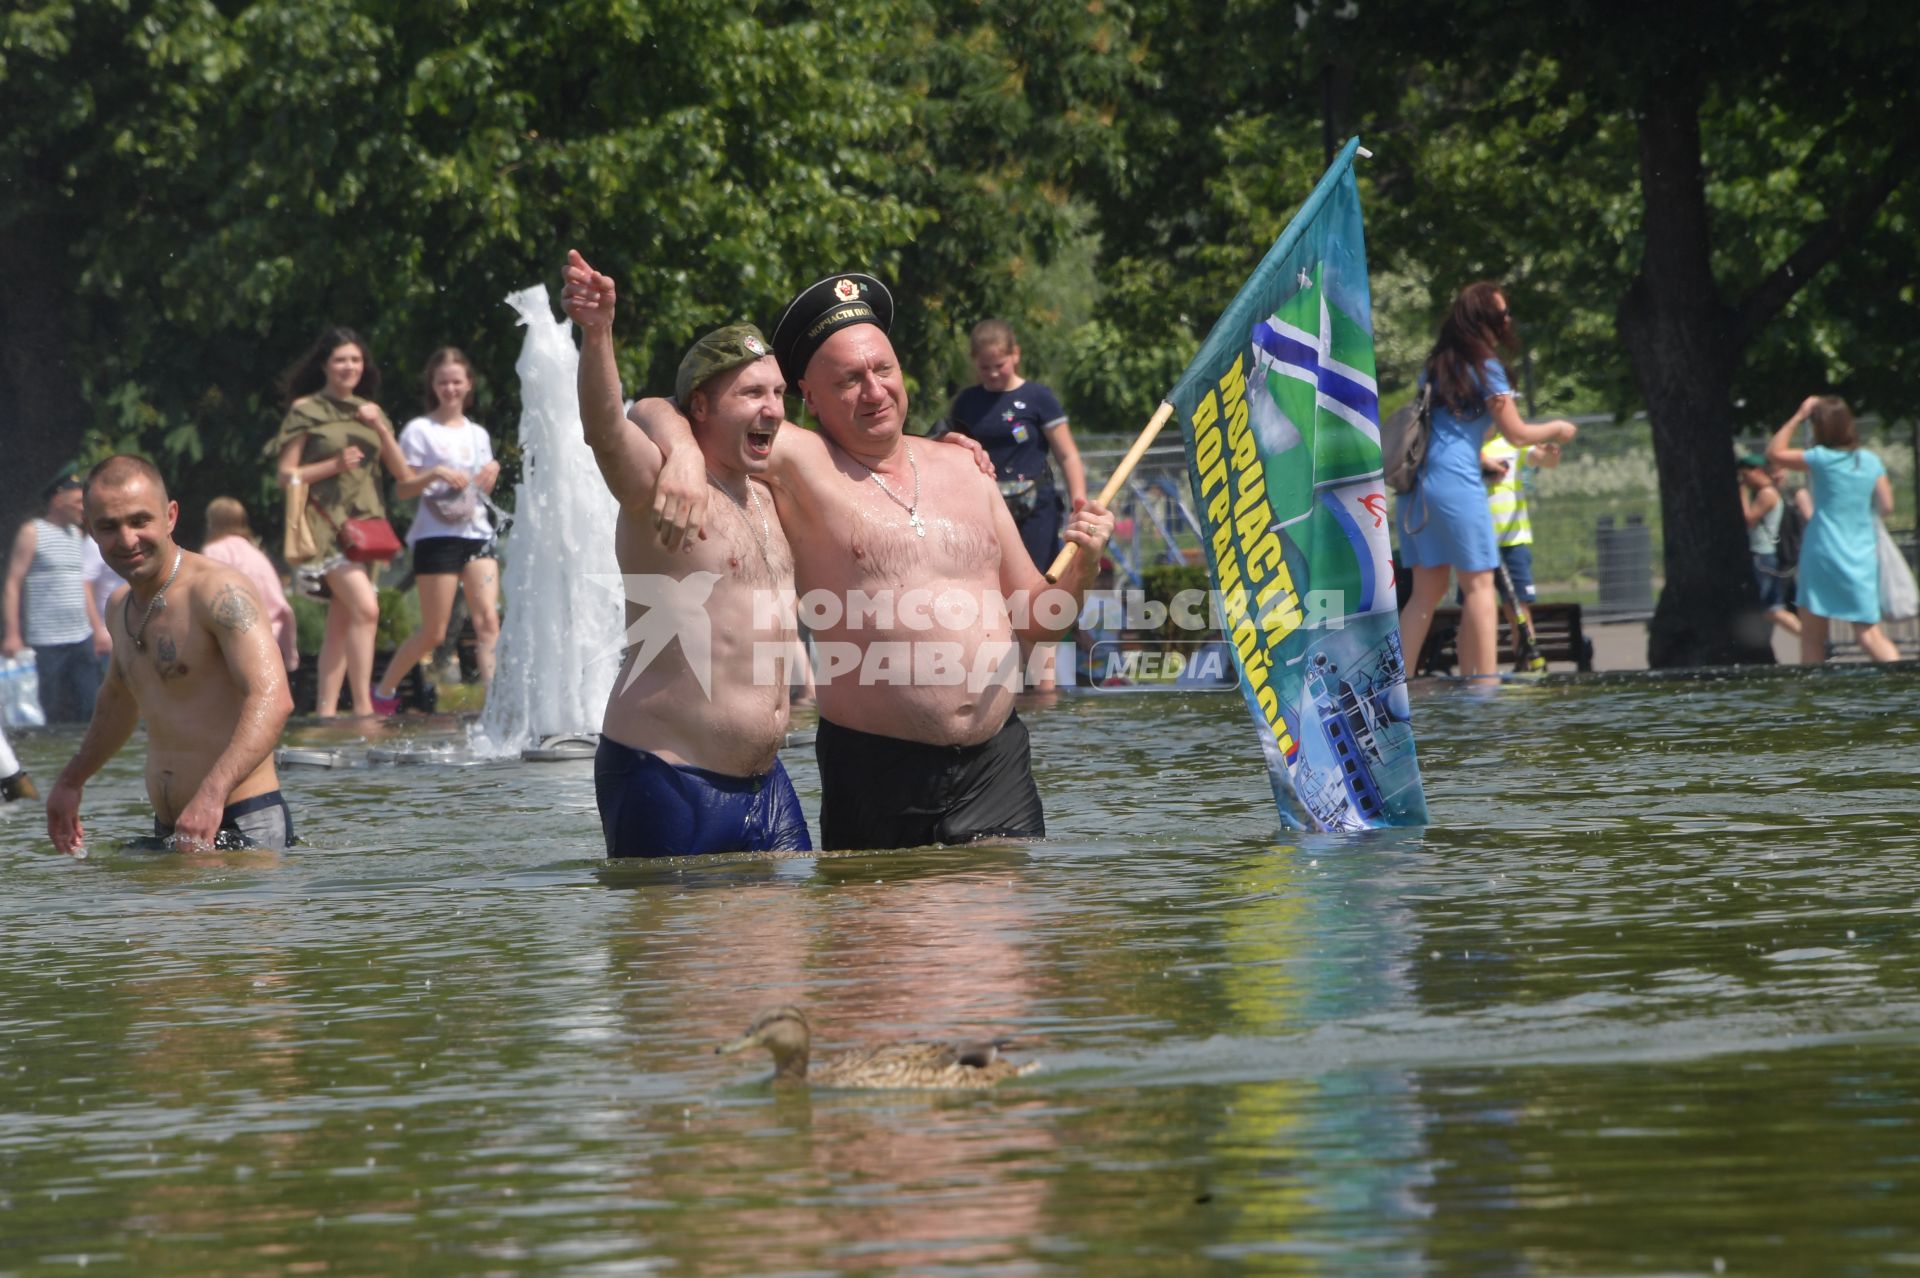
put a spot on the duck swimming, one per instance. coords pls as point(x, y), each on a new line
point(912, 1066)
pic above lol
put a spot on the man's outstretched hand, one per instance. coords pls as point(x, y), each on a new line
point(587, 295)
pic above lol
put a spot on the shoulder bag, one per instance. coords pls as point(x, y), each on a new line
point(368, 539)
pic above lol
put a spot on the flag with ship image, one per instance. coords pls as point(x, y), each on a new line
point(1280, 412)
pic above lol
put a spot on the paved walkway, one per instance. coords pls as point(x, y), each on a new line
point(1622, 645)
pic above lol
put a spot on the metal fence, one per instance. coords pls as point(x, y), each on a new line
point(1154, 517)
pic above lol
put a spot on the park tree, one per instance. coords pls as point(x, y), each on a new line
point(194, 188)
point(1219, 141)
point(1705, 211)
point(1765, 151)
point(1015, 107)
point(199, 187)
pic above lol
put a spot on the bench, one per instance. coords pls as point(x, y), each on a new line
point(1556, 631)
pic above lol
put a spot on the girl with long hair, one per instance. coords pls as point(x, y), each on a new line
point(452, 535)
point(1445, 523)
point(329, 440)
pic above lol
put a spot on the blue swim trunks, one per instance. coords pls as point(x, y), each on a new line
point(649, 807)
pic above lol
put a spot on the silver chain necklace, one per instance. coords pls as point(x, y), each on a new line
point(156, 604)
point(765, 535)
point(911, 507)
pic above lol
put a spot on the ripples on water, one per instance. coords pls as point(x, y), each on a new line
point(1644, 1001)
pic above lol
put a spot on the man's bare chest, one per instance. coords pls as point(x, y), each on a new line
point(868, 534)
point(737, 547)
point(163, 657)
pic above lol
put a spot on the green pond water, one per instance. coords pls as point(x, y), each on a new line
point(1646, 1000)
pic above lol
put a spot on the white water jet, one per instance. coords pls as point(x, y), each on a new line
point(561, 638)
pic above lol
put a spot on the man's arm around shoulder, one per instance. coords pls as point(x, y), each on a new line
point(680, 495)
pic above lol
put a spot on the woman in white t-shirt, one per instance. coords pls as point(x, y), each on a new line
point(452, 535)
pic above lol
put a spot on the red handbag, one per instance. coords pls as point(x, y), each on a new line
point(366, 540)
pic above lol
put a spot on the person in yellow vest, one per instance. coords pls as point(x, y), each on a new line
point(1503, 466)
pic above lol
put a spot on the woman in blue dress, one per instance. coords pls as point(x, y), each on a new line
point(1839, 574)
point(1444, 523)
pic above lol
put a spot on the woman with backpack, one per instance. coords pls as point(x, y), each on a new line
point(1445, 523)
point(1839, 573)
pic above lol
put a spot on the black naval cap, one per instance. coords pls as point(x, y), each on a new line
point(720, 351)
point(822, 309)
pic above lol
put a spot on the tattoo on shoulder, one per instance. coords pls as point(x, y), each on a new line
point(233, 610)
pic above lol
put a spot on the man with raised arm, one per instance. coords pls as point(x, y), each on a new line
point(910, 562)
point(689, 746)
point(193, 657)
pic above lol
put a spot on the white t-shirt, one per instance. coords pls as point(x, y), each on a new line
point(101, 580)
point(464, 446)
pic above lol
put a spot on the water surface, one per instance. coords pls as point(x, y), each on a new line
point(1646, 1000)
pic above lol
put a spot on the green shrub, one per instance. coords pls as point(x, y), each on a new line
point(309, 623)
point(399, 617)
point(1161, 582)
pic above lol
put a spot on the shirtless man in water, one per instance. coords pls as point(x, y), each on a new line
point(689, 746)
point(194, 658)
point(918, 739)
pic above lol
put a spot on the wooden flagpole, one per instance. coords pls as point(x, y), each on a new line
point(1115, 480)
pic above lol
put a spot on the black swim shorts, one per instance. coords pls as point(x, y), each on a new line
point(264, 821)
point(883, 792)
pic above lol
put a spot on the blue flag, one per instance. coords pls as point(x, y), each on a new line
point(1281, 417)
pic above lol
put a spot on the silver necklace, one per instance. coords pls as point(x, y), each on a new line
point(157, 603)
point(765, 535)
point(911, 507)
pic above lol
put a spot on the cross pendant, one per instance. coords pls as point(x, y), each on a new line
point(919, 524)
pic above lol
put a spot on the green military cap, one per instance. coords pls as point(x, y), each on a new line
point(69, 477)
point(720, 351)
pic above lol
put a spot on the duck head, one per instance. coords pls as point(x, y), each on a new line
point(783, 1032)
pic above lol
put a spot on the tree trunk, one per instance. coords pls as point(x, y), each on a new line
point(43, 414)
point(1678, 333)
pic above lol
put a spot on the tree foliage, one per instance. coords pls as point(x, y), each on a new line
point(1701, 210)
point(1692, 206)
point(1762, 143)
point(217, 181)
